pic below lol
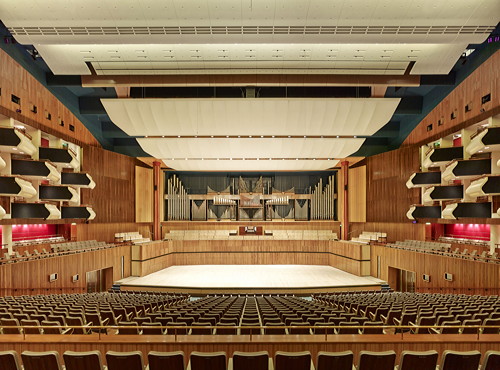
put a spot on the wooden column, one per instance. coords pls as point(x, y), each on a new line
point(156, 200)
point(344, 167)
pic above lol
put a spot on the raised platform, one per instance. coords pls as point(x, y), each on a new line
point(239, 279)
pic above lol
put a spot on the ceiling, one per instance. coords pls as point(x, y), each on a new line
point(298, 73)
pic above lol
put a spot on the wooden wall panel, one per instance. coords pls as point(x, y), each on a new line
point(388, 199)
point(470, 277)
point(151, 257)
point(484, 80)
point(143, 194)
point(395, 230)
point(113, 198)
point(357, 194)
point(267, 225)
point(32, 277)
point(14, 79)
point(106, 231)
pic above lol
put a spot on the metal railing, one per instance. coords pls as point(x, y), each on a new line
point(401, 332)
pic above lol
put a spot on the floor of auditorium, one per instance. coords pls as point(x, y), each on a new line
point(250, 278)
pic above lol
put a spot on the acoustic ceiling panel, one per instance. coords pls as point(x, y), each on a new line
point(250, 165)
point(249, 147)
point(239, 116)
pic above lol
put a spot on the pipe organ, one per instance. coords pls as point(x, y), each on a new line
point(323, 200)
point(178, 202)
point(225, 197)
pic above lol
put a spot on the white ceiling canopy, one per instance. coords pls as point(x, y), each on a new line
point(250, 165)
point(240, 116)
point(249, 147)
point(70, 33)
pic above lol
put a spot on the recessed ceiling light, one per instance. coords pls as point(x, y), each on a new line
point(14, 148)
point(178, 135)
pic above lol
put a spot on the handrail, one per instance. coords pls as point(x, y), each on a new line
point(184, 327)
point(445, 254)
point(4, 261)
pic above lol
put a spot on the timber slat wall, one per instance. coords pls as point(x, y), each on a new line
point(14, 79)
point(469, 277)
point(113, 198)
point(484, 80)
point(32, 277)
point(151, 257)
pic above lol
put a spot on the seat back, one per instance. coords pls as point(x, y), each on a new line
point(251, 360)
point(376, 360)
point(335, 360)
point(90, 360)
point(9, 360)
point(486, 323)
point(292, 360)
point(207, 361)
point(124, 360)
point(411, 360)
point(453, 360)
point(10, 322)
point(491, 360)
point(41, 360)
point(166, 360)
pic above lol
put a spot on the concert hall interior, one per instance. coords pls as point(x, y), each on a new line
point(287, 184)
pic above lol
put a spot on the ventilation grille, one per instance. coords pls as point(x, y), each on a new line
point(251, 30)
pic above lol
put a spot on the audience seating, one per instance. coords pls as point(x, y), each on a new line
point(444, 249)
point(335, 360)
point(166, 360)
point(453, 360)
point(366, 237)
point(83, 360)
point(268, 235)
point(250, 361)
point(411, 360)
point(376, 360)
point(125, 360)
point(134, 237)
point(207, 361)
point(41, 360)
point(366, 360)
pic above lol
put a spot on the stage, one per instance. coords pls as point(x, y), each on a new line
point(252, 279)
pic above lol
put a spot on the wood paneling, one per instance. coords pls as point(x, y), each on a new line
point(106, 232)
point(484, 80)
point(267, 225)
point(388, 199)
point(395, 230)
point(151, 257)
point(357, 194)
point(32, 277)
point(469, 277)
point(143, 194)
point(270, 343)
point(113, 198)
point(14, 79)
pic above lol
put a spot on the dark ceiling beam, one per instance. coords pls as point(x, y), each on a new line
point(90, 105)
point(443, 80)
point(410, 105)
point(62, 80)
point(249, 80)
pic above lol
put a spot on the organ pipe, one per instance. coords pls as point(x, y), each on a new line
point(322, 200)
point(178, 203)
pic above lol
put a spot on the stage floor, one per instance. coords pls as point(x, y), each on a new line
point(251, 279)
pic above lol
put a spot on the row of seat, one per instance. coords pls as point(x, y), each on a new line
point(485, 256)
point(451, 239)
point(84, 244)
point(36, 241)
point(459, 314)
point(367, 360)
point(370, 236)
point(268, 235)
point(56, 251)
point(133, 236)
